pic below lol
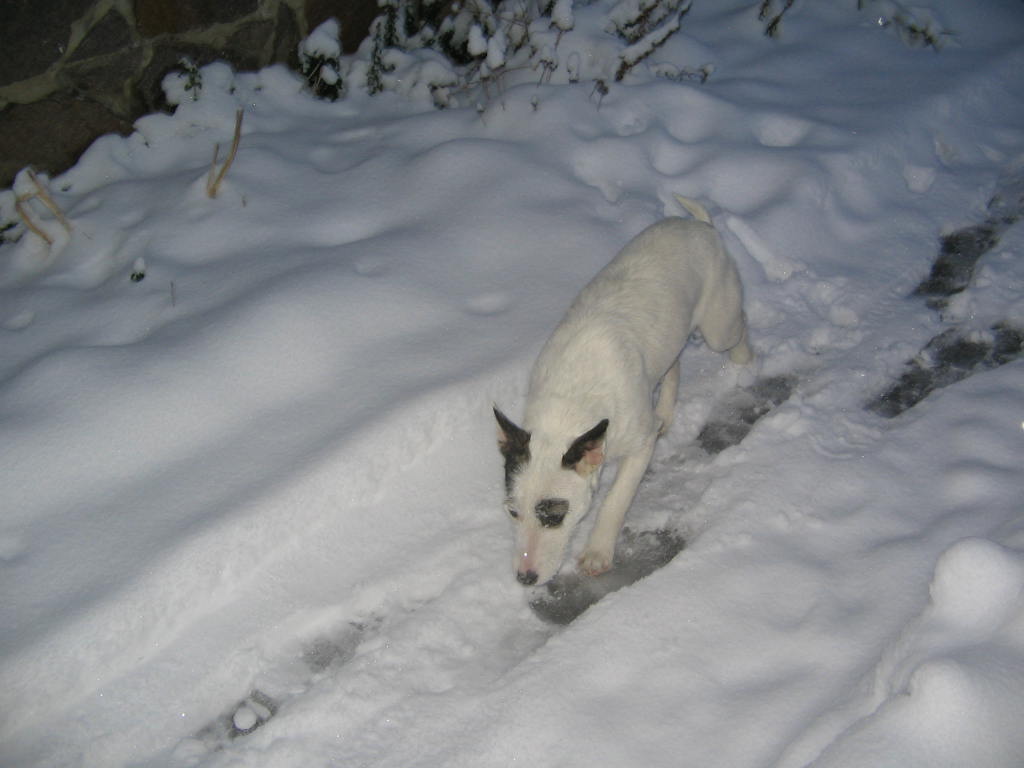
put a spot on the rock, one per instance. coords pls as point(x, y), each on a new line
point(33, 40)
point(111, 34)
point(51, 134)
point(160, 17)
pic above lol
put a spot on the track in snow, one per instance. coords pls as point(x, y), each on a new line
point(956, 353)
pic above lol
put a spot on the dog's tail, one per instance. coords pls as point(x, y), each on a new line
point(696, 210)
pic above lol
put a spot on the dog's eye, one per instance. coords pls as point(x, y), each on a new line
point(513, 513)
point(551, 512)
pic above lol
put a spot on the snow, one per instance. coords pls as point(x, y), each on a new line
point(496, 50)
point(561, 15)
point(477, 44)
point(252, 500)
point(322, 42)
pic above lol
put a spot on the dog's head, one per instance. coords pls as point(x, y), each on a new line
point(548, 487)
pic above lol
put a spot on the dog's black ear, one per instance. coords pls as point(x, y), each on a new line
point(512, 440)
point(514, 444)
point(587, 451)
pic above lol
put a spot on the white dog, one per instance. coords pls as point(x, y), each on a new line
point(591, 395)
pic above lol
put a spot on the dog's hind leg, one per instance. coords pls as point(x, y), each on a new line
point(722, 322)
point(667, 393)
point(600, 549)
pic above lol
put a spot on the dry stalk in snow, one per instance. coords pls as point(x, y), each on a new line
point(23, 212)
point(44, 197)
point(213, 183)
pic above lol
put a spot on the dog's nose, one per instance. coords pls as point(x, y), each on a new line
point(527, 578)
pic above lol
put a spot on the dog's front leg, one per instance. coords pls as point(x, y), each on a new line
point(667, 393)
point(600, 550)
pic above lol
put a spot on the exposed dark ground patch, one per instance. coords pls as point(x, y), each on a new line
point(960, 251)
point(733, 419)
point(953, 269)
point(948, 358)
point(638, 554)
point(957, 353)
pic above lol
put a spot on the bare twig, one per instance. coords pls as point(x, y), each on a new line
point(213, 165)
point(212, 183)
point(23, 212)
point(48, 201)
point(773, 28)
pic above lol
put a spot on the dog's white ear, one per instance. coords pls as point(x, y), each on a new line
point(512, 440)
point(587, 451)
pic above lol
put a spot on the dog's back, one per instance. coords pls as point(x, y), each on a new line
point(628, 325)
point(655, 283)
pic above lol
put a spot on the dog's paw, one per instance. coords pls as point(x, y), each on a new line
point(594, 562)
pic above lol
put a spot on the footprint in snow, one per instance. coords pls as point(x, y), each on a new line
point(950, 357)
point(273, 688)
point(956, 353)
point(638, 554)
point(732, 420)
point(960, 251)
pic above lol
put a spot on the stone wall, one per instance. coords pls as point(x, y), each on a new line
point(73, 70)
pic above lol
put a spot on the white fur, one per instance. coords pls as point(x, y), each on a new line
point(620, 339)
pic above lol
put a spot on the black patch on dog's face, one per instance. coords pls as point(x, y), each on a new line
point(551, 512)
point(514, 444)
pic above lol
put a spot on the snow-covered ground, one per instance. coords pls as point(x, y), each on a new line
point(251, 502)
